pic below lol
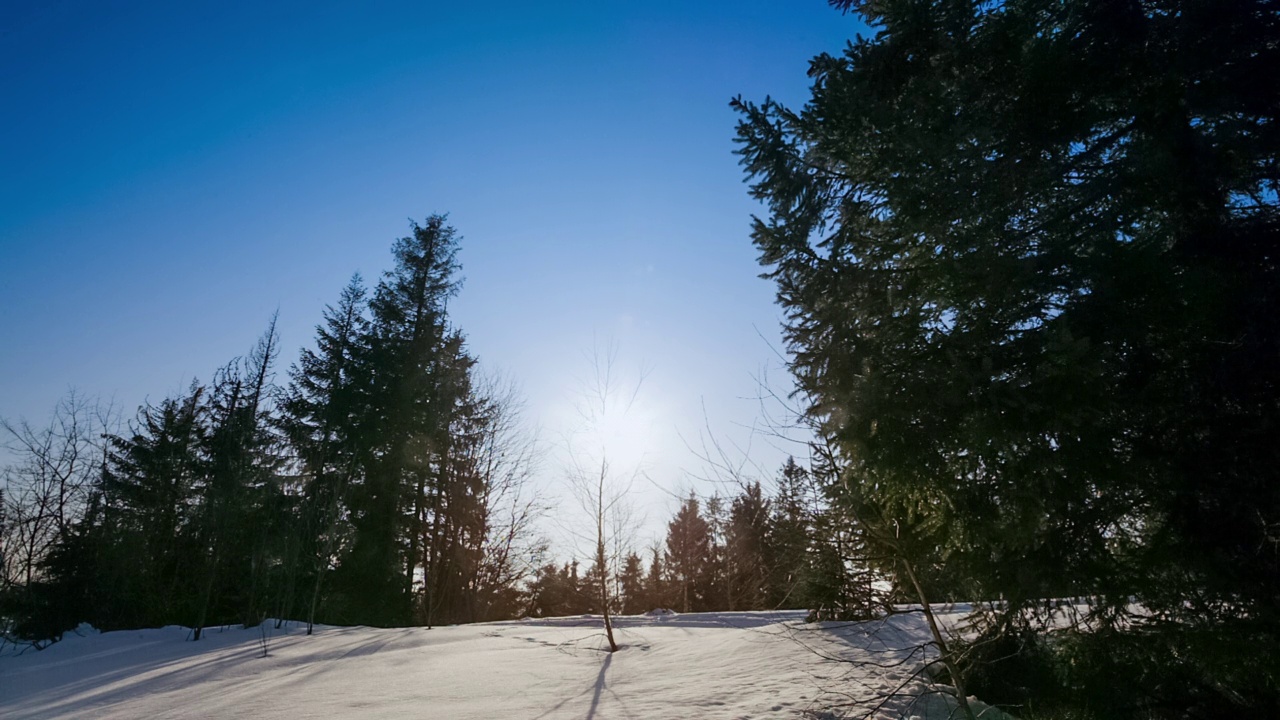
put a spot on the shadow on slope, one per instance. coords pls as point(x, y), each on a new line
point(93, 673)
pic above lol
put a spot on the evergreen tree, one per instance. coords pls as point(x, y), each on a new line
point(412, 470)
point(688, 553)
point(789, 539)
point(546, 592)
point(150, 503)
point(715, 586)
point(400, 498)
point(581, 592)
point(1027, 255)
point(657, 589)
point(631, 583)
point(322, 413)
point(558, 591)
point(65, 591)
point(745, 549)
point(454, 525)
point(237, 490)
point(387, 487)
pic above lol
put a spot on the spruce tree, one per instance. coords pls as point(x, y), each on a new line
point(745, 549)
point(150, 500)
point(688, 555)
point(715, 587)
point(657, 589)
point(238, 490)
point(397, 511)
point(1027, 256)
point(631, 582)
point(454, 527)
point(322, 415)
point(790, 536)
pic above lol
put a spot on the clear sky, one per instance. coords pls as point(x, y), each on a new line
point(172, 173)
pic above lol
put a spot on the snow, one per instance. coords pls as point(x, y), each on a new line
point(706, 665)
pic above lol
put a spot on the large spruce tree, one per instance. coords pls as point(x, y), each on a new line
point(1027, 252)
point(322, 418)
point(149, 487)
point(746, 545)
point(404, 419)
point(688, 556)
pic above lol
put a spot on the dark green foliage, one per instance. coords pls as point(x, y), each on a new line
point(634, 600)
point(456, 524)
point(815, 555)
point(558, 591)
point(399, 450)
point(63, 596)
point(320, 418)
point(657, 588)
point(786, 552)
point(687, 557)
point(192, 513)
point(837, 581)
point(150, 510)
point(185, 522)
point(238, 492)
point(403, 455)
point(790, 538)
point(745, 550)
point(372, 490)
point(406, 422)
point(1027, 255)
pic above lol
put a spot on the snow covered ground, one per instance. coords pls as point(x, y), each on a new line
point(701, 665)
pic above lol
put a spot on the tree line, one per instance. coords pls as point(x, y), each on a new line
point(382, 483)
point(750, 551)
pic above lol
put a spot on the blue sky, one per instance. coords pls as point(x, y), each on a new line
point(174, 173)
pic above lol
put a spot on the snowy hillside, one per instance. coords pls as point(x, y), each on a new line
point(708, 665)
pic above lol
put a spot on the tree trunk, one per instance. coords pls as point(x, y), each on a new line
point(943, 650)
point(600, 563)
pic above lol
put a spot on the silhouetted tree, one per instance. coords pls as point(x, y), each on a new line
point(321, 417)
point(746, 542)
point(236, 489)
point(688, 550)
point(149, 491)
point(1027, 256)
point(405, 428)
point(631, 581)
point(789, 539)
point(657, 588)
point(389, 482)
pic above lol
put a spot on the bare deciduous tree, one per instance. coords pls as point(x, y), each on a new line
point(509, 454)
point(603, 494)
point(47, 483)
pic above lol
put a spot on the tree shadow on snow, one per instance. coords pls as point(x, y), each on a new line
point(600, 686)
point(88, 683)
